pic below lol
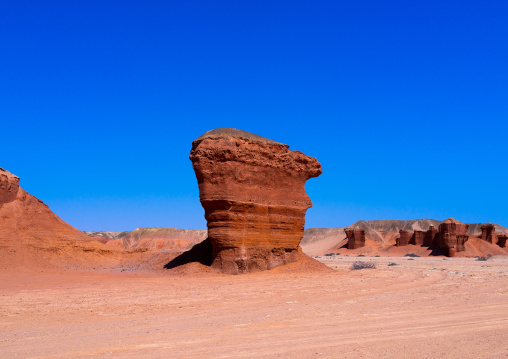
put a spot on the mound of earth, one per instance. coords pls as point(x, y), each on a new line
point(32, 236)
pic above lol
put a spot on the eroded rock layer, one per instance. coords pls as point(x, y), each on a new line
point(355, 237)
point(404, 238)
point(253, 193)
point(452, 236)
point(489, 233)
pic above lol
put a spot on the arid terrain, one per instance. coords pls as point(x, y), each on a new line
point(419, 308)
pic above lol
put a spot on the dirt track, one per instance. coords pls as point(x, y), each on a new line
point(421, 308)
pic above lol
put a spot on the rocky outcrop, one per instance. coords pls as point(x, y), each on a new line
point(431, 237)
point(253, 193)
point(355, 237)
point(9, 187)
point(404, 238)
point(489, 233)
point(418, 238)
point(501, 240)
point(452, 236)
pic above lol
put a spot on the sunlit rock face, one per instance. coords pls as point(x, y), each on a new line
point(253, 193)
point(404, 238)
point(452, 236)
point(355, 238)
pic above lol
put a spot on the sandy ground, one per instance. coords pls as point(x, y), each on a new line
point(419, 308)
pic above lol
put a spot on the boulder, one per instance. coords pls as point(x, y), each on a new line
point(253, 193)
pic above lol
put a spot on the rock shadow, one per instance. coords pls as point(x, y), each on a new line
point(201, 253)
point(436, 251)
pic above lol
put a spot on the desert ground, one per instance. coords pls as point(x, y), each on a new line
point(431, 307)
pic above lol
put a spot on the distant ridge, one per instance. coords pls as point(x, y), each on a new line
point(379, 233)
point(315, 241)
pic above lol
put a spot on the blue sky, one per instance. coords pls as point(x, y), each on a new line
point(404, 103)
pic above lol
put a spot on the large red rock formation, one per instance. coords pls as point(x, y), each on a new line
point(404, 238)
point(253, 193)
point(489, 233)
point(452, 236)
point(355, 237)
point(418, 237)
point(431, 237)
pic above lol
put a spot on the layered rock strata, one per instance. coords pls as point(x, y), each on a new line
point(404, 238)
point(431, 237)
point(253, 193)
point(418, 238)
point(355, 238)
point(452, 236)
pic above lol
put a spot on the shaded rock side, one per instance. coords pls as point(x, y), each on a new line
point(253, 193)
point(501, 240)
point(489, 233)
point(431, 237)
point(355, 237)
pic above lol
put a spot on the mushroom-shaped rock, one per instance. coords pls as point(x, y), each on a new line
point(253, 193)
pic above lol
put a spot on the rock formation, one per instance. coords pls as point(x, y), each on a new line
point(431, 237)
point(253, 193)
point(418, 238)
point(9, 187)
point(501, 240)
point(452, 236)
point(488, 233)
point(404, 238)
point(355, 237)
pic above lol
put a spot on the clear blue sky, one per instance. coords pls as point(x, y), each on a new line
point(404, 103)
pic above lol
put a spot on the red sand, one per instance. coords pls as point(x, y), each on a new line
point(420, 308)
